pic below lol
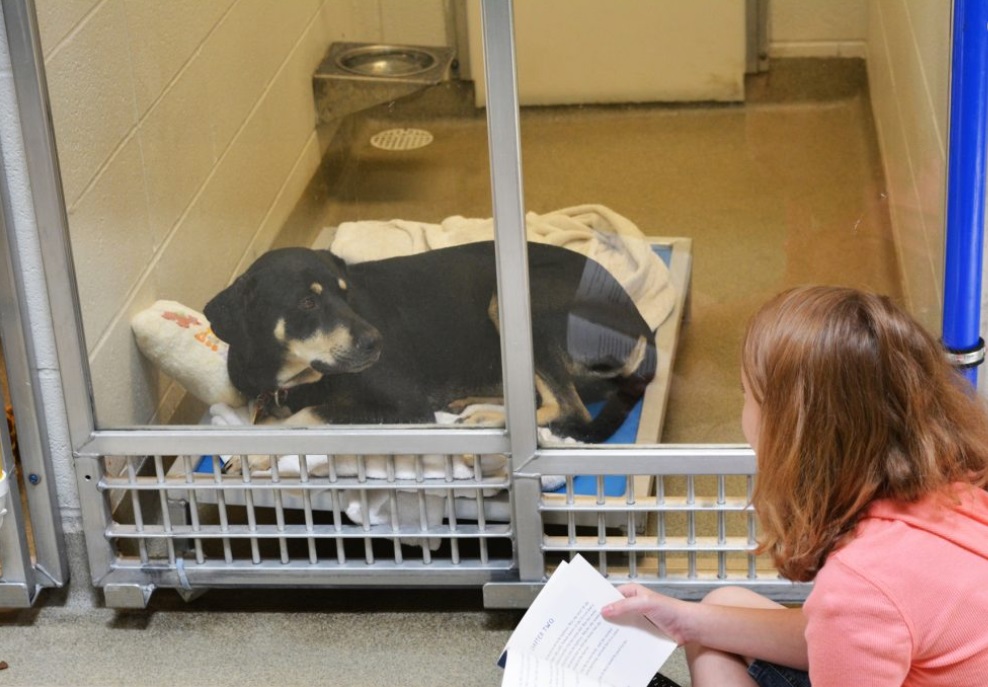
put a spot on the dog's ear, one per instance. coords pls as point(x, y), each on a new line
point(334, 262)
point(226, 311)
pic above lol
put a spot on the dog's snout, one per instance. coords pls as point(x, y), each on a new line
point(362, 350)
point(368, 341)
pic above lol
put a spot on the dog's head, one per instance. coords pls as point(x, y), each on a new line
point(620, 352)
point(606, 337)
point(287, 322)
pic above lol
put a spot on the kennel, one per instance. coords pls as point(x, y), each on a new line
point(425, 509)
point(32, 549)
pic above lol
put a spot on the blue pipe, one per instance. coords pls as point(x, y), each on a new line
point(964, 249)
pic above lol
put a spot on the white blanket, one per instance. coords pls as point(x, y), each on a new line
point(376, 506)
point(593, 230)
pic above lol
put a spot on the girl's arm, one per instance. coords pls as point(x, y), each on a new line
point(858, 633)
point(768, 632)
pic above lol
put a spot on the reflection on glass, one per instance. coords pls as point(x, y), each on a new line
point(594, 353)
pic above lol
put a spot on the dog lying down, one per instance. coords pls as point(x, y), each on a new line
point(395, 340)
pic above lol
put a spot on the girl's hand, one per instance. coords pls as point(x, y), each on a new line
point(671, 616)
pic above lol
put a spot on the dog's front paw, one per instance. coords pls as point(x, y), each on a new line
point(458, 406)
point(235, 465)
point(482, 415)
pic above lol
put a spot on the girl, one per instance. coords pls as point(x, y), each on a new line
point(872, 465)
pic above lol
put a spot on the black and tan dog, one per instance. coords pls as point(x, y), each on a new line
point(392, 341)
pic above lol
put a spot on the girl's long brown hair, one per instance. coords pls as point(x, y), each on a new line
point(857, 403)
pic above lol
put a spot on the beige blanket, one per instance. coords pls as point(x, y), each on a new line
point(593, 230)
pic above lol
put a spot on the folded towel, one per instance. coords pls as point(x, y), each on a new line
point(593, 230)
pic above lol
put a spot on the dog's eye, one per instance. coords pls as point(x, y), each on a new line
point(308, 303)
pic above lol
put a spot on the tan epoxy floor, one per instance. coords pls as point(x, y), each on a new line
point(784, 190)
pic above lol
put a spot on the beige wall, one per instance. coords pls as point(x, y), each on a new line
point(409, 22)
point(618, 51)
point(909, 73)
point(186, 133)
point(818, 28)
point(709, 69)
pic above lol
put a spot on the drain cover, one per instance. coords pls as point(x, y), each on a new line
point(401, 139)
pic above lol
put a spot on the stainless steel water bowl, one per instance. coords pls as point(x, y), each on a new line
point(385, 61)
point(355, 76)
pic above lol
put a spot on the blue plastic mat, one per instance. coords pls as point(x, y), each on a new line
point(614, 485)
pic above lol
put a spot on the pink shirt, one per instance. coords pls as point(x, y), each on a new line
point(906, 601)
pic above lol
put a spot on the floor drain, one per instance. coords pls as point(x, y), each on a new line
point(401, 139)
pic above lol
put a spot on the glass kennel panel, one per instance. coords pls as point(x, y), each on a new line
point(639, 121)
point(179, 167)
point(117, 220)
point(298, 127)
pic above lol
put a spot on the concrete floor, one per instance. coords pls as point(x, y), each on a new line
point(353, 638)
point(786, 189)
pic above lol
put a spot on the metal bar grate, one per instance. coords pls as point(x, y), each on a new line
point(186, 514)
point(667, 529)
point(417, 520)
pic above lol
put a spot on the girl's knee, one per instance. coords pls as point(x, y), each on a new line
point(738, 596)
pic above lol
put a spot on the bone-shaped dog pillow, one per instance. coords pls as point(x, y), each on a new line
point(179, 341)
